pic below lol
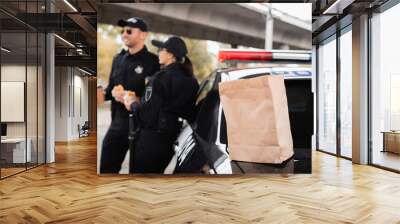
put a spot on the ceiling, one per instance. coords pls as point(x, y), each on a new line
point(330, 15)
point(74, 22)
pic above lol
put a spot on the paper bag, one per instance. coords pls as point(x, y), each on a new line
point(257, 119)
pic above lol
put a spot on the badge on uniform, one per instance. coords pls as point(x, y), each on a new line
point(148, 93)
point(139, 69)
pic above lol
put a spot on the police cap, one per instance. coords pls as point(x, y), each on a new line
point(134, 22)
point(174, 45)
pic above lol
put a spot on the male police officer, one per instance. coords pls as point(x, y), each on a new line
point(129, 70)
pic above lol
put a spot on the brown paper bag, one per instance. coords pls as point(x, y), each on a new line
point(257, 119)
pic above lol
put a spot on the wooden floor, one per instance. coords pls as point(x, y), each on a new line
point(10, 171)
point(387, 159)
point(70, 191)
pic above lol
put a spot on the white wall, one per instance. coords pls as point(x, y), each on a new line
point(81, 103)
point(11, 73)
point(33, 127)
point(61, 103)
point(71, 94)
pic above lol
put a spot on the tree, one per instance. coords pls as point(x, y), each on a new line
point(109, 45)
point(107, 48)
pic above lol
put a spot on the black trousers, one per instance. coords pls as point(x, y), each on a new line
point(153, 151)
point(113, 150)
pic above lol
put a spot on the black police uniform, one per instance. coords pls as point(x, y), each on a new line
point(130, 71)
point(169, 95)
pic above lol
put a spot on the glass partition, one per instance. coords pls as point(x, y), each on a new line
point(14, 153)
point(22, 89)
point(346, 93)
point(327, 96)
point(385, 89)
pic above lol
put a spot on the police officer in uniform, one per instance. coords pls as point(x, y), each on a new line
point(169, 96)
point(129, 70)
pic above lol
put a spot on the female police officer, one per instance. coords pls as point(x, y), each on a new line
point(169, 95)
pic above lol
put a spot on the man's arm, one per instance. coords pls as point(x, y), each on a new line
point(111, 84)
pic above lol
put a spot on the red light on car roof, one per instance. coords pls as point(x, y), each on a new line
point(270, 56)
point(231, 55)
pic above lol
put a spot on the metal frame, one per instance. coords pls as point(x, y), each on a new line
point(26, 89)
point(339, 32)
point(326, 40)
point(369, 77)
point(389, 4)
point(338, 98)
point(37, 91)
point(316, 97)
point(45, 89)
point(44, 74)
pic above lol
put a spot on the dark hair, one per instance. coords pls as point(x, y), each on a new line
point(186, 65)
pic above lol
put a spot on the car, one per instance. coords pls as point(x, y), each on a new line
point(202, 146)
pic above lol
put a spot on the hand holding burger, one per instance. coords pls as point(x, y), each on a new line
point(129, 98)
point(118, 93)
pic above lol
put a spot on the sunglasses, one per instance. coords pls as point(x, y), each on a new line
point(128, 31)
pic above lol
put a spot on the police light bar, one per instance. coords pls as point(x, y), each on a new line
point(264, 56)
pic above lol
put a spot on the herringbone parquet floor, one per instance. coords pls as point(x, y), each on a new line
point(70, 191)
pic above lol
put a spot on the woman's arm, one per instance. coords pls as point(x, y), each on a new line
point(131, 101)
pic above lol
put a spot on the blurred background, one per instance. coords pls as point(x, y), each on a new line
point(205, 28)
point(202, 52)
